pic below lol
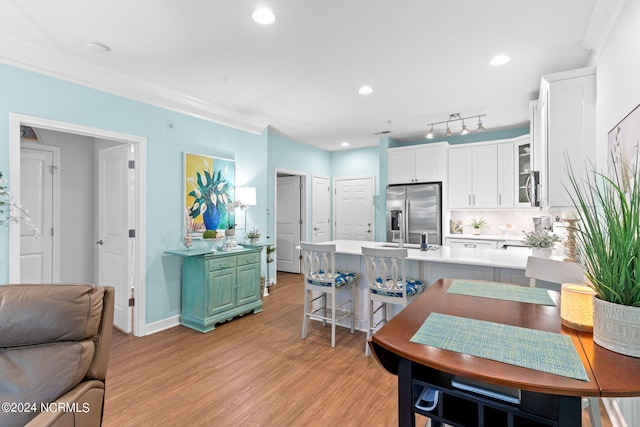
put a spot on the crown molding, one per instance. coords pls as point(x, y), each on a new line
point(22, 55)
point(603, 17)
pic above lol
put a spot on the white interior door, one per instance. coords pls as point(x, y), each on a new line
point(288, 224)
point(354, 209)
point(37, 192)
point(321, 209)
point(113, 230)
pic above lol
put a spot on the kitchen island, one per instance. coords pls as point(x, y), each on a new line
point(507, 266)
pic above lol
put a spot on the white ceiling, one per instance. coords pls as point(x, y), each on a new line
point(424, 59)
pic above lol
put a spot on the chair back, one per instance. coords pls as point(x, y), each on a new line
point(554, 271)
point(385, 269)
point(318, 262)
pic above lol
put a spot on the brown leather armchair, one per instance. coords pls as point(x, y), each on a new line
point(54, 349)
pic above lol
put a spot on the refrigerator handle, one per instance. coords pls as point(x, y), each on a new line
point(406, 224)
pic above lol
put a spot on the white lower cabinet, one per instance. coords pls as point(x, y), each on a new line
point(471, 243)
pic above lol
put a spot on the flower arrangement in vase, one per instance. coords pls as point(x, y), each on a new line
point(540, 241)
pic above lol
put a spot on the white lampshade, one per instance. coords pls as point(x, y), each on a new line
point(576, 306)
point(246, 195)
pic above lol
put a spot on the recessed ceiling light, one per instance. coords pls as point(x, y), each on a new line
point(365, 90)
point(96, 47)
point(264, 16)
point(499, 60)
point(345, 143)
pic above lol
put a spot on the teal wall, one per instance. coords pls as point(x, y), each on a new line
point(37, 95)
point(288, 155)
point(489, 135)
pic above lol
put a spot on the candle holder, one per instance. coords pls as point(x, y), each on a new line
point(571, 240)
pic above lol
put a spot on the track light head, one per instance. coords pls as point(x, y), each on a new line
point(429, 134)
point(480, 127)
point(465, 129)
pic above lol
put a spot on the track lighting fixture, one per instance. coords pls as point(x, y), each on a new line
point(454, 118)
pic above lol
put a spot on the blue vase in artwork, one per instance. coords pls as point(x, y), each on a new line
point(211, 217)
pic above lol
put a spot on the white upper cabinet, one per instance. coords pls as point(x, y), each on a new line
point(524, 164)
point(409, 165)
point(473, 176)
point(506, 174)
point(566, 110)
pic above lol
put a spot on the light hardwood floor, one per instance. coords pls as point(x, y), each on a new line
point(252, 371)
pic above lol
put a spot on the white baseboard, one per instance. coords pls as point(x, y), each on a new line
point(163, 324)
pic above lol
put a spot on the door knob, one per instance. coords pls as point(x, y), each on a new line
point(99, 242)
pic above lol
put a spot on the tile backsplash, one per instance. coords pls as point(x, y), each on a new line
point(520, 220)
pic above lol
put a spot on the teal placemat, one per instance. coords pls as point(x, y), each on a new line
point(529, 348)
point(501, 291)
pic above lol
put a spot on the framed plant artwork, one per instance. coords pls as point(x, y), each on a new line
point(624, 143)
point(209, 192)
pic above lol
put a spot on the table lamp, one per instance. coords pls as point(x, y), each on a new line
point(246, 196)
point(576, 306)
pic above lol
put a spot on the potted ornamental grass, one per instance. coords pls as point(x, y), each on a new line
point(253, 235)
point(608, 246)
point(477, 224)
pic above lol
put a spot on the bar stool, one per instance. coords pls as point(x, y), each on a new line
point(321, 276)
point(387, 284)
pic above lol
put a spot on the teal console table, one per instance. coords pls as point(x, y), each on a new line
point(217, 286)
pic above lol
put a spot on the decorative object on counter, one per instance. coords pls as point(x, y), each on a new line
point(540, 241)
point(608, 245)
point(507, 228)
point(209, 184)
point(211, 237)
point(253, 235)
point(571, 218)
point(270, 249)
point(576, 306)
point(455, 226)
point(477, 224)
point(188, 241)
point(231, 231)
point(455, 117)
point(11, 211)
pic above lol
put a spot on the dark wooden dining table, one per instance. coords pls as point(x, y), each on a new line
point(545, 398)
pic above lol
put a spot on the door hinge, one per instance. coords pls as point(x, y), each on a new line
point(53, 169)
point(132, 232)
point(300, 221)
point(132, 164)
point(132, 302)
point(52, 231)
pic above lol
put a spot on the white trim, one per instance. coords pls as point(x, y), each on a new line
point(161, 325)
point(22, 54)
point(140, 144)
point(603, 18)
point(55, 223)
point(303, 207)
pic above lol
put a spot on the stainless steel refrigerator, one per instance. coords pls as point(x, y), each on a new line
point(413, 210)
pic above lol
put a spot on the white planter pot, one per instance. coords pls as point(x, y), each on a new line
point(541, 252)
point(616, 327)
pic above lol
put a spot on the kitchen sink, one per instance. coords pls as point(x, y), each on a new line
point(408, 246)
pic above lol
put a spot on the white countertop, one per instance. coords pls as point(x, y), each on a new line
point(513, 236)
point(510, 258)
